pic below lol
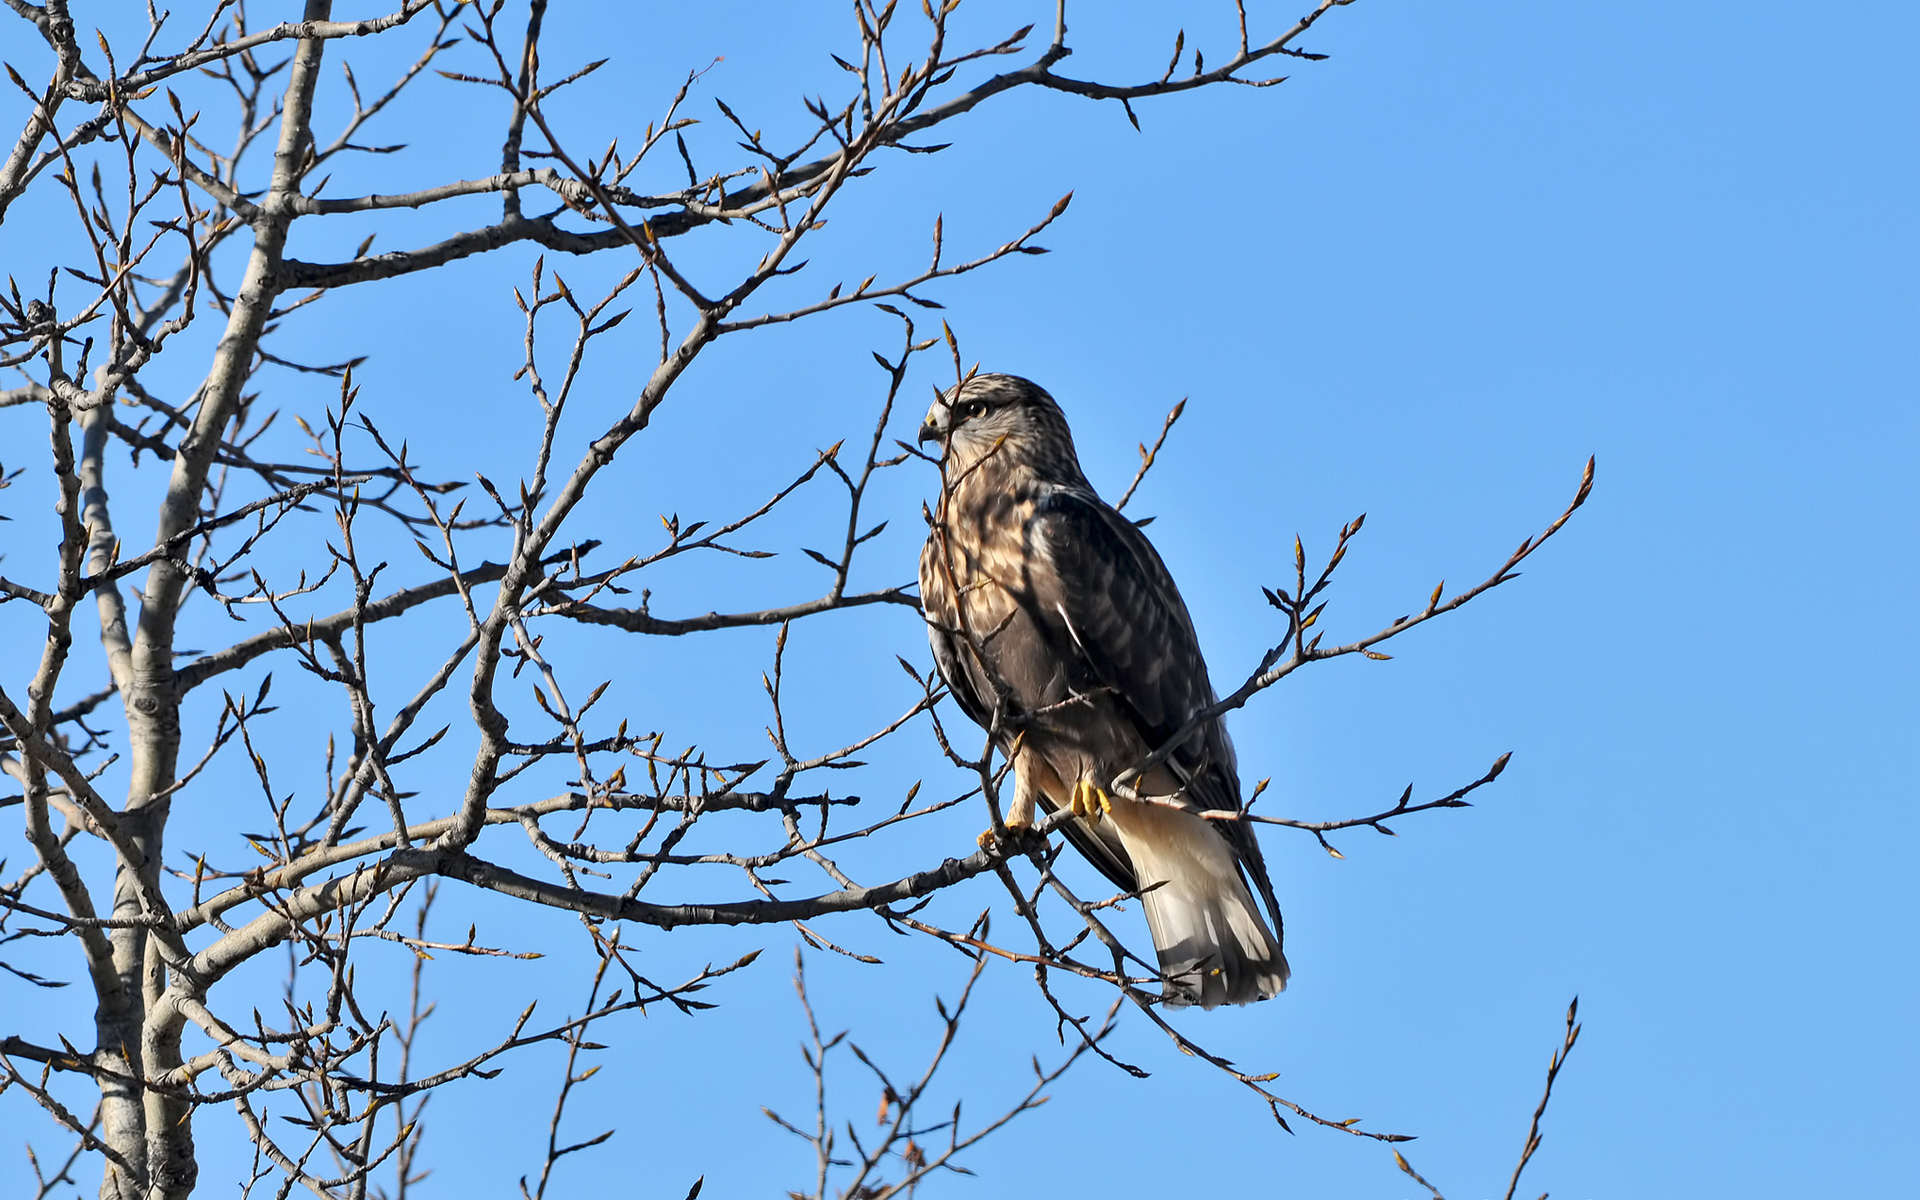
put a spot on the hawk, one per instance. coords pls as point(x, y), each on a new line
point(1044, 603)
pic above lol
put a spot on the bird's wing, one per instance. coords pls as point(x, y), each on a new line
point(1098, 580)
point(1029, 653)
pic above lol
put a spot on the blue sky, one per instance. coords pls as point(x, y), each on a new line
point(1424, 280)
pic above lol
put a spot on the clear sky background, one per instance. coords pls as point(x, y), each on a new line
point(1424, 280)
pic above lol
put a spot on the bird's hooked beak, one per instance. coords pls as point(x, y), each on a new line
point(931, 430)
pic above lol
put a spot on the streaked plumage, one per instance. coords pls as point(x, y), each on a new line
point(1030, 580)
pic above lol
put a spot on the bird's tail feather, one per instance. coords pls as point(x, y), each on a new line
point(1213, 946)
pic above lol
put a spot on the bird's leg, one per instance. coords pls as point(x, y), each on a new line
point(1019, 817)
point(1026, 786)
point(1089, 802)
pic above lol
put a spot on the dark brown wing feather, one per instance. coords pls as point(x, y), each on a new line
point(1107, 592)
point(1035, 659)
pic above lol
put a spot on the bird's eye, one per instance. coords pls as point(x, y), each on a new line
point(977, 408)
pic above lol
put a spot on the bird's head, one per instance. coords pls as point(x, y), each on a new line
point(1003, 415)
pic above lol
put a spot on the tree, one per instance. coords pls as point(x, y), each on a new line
point(284, 547)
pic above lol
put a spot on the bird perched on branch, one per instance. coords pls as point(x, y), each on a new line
point(1057, 628)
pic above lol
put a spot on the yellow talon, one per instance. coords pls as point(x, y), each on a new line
point(1015, 830)
point(1089, 802)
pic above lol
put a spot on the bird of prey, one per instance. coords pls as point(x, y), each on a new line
point(1048, 609)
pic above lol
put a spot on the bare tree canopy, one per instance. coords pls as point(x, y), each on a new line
point(621, 826)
